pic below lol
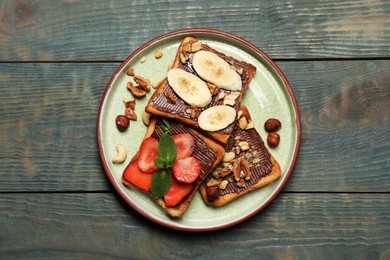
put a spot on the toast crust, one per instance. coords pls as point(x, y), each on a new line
point(263, 178)
point(162, 106)
point(217, 150)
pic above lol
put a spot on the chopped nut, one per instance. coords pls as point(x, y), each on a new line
point(146, 118)
point(239, 114)
point(171, 97)
point(236, 169)
point(250, 125)
point(213, 89)
point(212, 182)
point(242, 122)
point(244, 146)
point(246, 169)
point(130, 114)
point(137, 92)
point(142, 83)
point(158, 54)
point(220, 96)
point(184, 57)
point(239, 70)
point(143, 59)
point(229, 101)
point(129, 103)
point(240, 183)
point(256, 160)
point(130, 72)
point(237, 137)
point(192, 46)
point(223, 184)
point(226, 171)
point(237, 149)
point(196, 46)
point(193, 110)
point(228, 156)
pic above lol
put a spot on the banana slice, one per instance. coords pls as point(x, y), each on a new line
point(215, 70)
point(216, 118)
point(189, 87)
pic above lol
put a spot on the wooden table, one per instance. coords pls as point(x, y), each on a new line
point(56, 58)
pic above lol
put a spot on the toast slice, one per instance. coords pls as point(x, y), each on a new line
point(166, 103)
point(248, 169)
point(208, 152)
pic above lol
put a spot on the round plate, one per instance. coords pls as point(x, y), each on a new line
point(269, 95)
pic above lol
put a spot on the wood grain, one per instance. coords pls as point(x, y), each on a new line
point(77, 30)
point(335, 226)
point(48, 118)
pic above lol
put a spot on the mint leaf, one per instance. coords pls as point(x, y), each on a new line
point(165, 126)
point(167, 152)
point(161, 182)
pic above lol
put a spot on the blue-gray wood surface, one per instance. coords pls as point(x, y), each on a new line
point(56, 58)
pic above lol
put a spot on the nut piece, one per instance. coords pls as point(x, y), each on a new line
point(250, 125)
point(212, 183)
point(122, 122)
point(213, 89)
point(244, 145)
point(130, 72)
point(171, 97)
point(246, 169)
point(142, 83)
point(223, 184)
point(193, 110)
point(129, 103)
point(212, 193)
point(130, 114)
point(228, 156)
point(192, 46)
point(137, 92)
point(243, 123)
point(273, 139)
point(184, 57)
point(146, 118)
point(143, 59)
point(236, 169)
point(122, 154)
point(158, 54)
point(272, 125)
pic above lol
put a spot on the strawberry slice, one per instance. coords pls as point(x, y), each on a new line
point(186, 170)
point(147, 153)
point(185, 145)
point(176, 193)
point(135, 176)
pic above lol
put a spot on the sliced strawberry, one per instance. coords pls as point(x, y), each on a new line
point(135, 176)
point(176, 193)
point(147, 153)
point(186, 170)
point(185, 145)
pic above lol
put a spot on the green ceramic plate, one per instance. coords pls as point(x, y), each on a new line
point(269, 95)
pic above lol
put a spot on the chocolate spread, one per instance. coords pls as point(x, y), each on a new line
point(260, 163)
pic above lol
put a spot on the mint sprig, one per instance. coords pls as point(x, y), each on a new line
point(167, 152)
point(161, 182)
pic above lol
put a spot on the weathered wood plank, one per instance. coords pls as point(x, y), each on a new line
point(48, 118)
point(334, 226)
point(84, 30)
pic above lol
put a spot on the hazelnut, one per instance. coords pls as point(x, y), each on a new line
point(212, 193)
point(272, 125)
point(273, 139)
point(122, 122)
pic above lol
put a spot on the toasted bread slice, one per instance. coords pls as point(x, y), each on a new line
point(253, 167)
point(206, 150)
point(166, 103)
